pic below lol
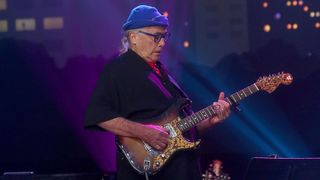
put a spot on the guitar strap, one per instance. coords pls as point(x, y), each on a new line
point(166, 76)
point(187, 109)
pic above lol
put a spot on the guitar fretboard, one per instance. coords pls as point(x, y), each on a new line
point(208, 112)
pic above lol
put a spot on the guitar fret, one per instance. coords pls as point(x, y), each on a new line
point(201, 114)
point(256, 86)
point(199, 117)
point(191, 122)
point(180, 126)
point(250, 90)
point(194, 117)
point(234, 99)
point(186, 124)
point(208, 111)
point(204, 114)
point(194, 121)
point(213, 111)
point(241, 94)
point(244, 92)
point(228, 100)
point(237, 93)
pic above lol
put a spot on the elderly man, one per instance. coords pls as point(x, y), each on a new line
point(134, 90)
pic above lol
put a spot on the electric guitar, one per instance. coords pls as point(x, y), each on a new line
point(147, 160)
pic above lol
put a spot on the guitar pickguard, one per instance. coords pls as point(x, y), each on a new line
point(144, 158)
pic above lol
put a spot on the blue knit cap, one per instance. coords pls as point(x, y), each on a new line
point(143, 16)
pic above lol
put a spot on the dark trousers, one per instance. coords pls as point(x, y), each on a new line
point(182, 165)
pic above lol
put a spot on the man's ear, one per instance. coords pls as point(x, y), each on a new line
point(133, 38)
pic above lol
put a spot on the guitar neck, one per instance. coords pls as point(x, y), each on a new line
point(208, 112)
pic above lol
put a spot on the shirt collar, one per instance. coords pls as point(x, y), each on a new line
point(138, 62)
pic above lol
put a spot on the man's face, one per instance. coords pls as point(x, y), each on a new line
point(148, 42)
point(217, 164)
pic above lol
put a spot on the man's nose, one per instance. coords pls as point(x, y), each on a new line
point(162, 42)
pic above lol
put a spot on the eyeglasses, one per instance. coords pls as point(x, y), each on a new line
point(157, 37)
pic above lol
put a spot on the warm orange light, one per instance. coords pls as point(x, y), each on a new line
point(288, 3)
point(300, 3)
point(51, 23)
point(295, 26)
point(186, 44)
point(294, 3)
point(317, 25)
point(166, 14)
point(3, 26)
point(305, 8)
point(289, 26)
point(3, 5)
point(267, 28)
point(265, 4)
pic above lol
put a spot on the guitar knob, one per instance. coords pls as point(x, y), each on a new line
point(157, 163)
point(162, 156)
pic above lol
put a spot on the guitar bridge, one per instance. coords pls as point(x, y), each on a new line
point(147, 164)
point(150, 150)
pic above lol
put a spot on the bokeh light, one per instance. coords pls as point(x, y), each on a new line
point(186, 44)
point(267, 28)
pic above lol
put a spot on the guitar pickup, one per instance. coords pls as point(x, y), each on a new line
point(172, 132)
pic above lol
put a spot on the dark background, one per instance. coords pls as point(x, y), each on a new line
point(46, 77)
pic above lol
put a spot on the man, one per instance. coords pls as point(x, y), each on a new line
point(214, 172)
point(135, 88)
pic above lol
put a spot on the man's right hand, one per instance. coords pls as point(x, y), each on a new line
point(155, 136)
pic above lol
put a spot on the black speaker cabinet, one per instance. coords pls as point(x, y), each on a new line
point(261, 168)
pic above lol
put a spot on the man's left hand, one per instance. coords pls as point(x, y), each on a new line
point(222, 109)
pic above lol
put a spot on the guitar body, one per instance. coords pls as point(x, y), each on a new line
point(146, 159)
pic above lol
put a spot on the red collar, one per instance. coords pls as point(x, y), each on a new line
point(153, 65)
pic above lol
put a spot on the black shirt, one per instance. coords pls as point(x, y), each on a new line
point(129, 88)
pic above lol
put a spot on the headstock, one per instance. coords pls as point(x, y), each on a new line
point(271, 82)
